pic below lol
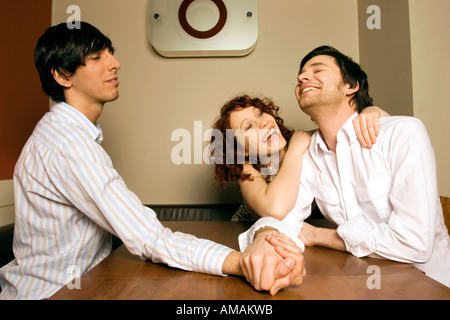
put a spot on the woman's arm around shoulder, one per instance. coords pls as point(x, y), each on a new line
point(277, 198)
point(367, 125)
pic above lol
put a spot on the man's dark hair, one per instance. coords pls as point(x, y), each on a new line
point(63, 49)
point(351, 72)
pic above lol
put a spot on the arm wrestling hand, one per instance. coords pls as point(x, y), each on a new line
point(291, 270)
point(266, 269)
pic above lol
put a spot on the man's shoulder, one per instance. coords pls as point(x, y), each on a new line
point(402, 131)
point(58, 132)
point(404, 123)
point(395, 120)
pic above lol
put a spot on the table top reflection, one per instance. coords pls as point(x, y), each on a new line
point(330, 275)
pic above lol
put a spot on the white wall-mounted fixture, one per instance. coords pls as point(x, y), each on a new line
point(199, 28)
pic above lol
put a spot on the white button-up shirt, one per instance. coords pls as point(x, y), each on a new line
point(384, 200)
point(69, 200)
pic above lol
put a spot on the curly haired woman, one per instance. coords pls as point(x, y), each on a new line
point(266, 156)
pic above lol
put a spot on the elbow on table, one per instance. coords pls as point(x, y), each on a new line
point(420, 253)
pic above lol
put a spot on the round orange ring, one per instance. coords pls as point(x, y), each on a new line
point(202, 34)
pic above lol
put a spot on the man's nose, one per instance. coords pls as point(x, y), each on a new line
point(302, 77)
point(113, 63)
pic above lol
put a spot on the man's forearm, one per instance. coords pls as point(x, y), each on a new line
point(329, 238)
point(231, 265)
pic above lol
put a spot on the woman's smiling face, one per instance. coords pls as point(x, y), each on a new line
point(257, 131)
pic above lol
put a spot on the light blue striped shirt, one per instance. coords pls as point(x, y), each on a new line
point(69, 200)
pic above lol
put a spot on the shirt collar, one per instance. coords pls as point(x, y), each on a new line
point(346, 133)
point(74, 116)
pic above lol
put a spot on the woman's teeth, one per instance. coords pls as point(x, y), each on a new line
point(269, 133)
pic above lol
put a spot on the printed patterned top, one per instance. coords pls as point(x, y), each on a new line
point(246, 214)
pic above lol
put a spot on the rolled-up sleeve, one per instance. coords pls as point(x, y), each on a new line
point(291, 225)
point(292, 231)
point(357, 236)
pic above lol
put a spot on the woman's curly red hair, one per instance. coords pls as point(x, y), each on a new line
point(223, 171)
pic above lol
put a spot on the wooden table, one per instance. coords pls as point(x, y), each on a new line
point(330, 275)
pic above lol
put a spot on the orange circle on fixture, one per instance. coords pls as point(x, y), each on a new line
point(202, 34)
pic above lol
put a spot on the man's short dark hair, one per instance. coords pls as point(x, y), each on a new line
point(351, 72)
point(63, 49)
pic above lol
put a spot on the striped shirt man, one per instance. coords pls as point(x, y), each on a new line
point(69, 200)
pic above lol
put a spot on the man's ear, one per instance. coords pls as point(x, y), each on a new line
point(61, 78)
point(352, 91)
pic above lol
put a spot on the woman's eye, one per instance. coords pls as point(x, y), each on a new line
point(249, 127)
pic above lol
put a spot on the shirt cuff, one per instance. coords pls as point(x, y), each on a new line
point(246, 238)
point(358, 237)
point(209, 258)
point(185, 251)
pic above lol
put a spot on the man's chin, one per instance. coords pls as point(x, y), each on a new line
point(113, 98)
point(305, 106)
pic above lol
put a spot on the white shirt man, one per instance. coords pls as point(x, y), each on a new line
point(384, 200)
point(382, 206)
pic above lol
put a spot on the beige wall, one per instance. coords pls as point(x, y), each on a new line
point(430, 33)
point(6, 202)
point(385, 54)
point(159, 95)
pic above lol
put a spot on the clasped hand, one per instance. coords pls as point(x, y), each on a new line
point(272, 262)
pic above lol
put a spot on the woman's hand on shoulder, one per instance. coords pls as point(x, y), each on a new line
point(301, 140)
point(367, 125)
